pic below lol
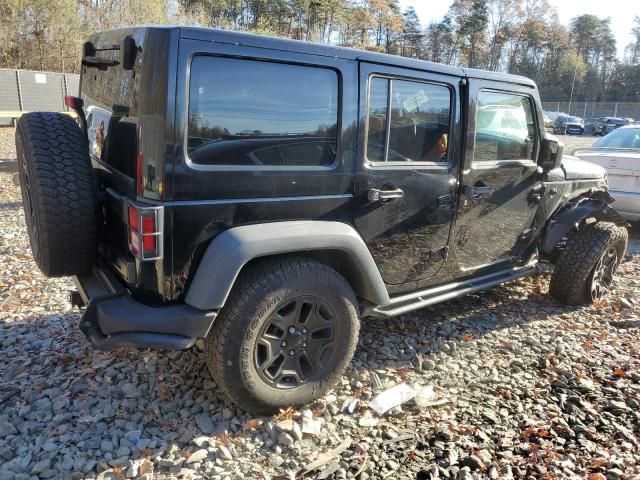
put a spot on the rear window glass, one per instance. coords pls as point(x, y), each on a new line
point(110, 97)
point(257, 113)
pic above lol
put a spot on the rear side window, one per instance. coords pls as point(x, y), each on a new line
point(251, 113)
point(407, 121)
point(505, 127)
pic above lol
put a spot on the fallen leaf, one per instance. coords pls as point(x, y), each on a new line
point(253, 423)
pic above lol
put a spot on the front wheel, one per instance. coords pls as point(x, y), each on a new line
point(285, 335)
point(585, 268)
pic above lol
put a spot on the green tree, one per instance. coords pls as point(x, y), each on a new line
point(471, 18)
point(439, 41)
point(412, 36)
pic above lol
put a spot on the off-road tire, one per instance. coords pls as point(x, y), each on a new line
point(58, 193)
point(571, 279)
point(259, 291)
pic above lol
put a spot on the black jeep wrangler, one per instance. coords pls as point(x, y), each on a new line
point(266, 194)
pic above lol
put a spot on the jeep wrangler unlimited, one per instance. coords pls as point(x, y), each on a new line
point(264, 194)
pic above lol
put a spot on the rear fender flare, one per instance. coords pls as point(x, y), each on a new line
point(572, 217)
point(232, 249)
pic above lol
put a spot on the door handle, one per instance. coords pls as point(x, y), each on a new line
point(478, 192)
point(376, 195)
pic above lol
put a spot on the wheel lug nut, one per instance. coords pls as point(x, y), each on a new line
point(284, 344)
point(292, 329)
point(291, 353)
point(304, 330)
point(304, 345)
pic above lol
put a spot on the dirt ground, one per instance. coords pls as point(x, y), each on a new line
point(574, 142)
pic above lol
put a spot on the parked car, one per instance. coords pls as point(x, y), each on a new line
point(568, 125)
point(266, 194)
point(548, 123)
point(606, 125)
point(619, 153)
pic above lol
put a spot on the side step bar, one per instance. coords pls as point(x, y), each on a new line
point(424, 298)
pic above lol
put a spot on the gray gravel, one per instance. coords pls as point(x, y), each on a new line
point(524, 388)
point(574, 142)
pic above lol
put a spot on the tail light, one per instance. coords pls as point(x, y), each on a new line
point(145, 231)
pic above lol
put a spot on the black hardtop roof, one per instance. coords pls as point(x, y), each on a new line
point(311, 48)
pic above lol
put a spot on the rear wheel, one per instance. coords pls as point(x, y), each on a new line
point(58, 193)
point(585, 268)
point(285, 335)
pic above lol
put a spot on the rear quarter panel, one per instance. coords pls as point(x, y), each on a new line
point(207, 201)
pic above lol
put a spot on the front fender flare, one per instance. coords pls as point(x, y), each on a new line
point(232, 249)
point(572, 217)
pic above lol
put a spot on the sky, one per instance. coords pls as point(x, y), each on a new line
point(620, 11)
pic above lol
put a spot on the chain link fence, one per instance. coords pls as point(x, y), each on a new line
point(28, 90)
point(590, 110)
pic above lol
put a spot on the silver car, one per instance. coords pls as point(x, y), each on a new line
point(619, 153)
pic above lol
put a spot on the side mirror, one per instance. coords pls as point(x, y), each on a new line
point(551, 152)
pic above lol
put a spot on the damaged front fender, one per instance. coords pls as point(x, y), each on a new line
point(575, 215)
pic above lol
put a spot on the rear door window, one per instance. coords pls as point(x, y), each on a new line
point(408, 121)
point(253, 114)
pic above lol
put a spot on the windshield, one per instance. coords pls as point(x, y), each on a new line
point(621, 138)
point(574, 119)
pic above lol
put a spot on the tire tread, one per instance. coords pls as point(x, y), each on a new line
point(54, 152)
point(569, 282)
point(252, 283)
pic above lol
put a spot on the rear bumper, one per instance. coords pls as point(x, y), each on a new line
point(627, 204)
point(113, 318)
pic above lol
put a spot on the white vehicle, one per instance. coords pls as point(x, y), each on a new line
point(619, 153)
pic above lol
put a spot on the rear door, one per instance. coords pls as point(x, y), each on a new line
point(406, 172)
point(501, 180)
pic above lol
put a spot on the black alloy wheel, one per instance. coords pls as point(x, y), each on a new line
point(285, 335)
point(296, 342)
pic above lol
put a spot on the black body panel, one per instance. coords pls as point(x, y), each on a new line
point(409, 236)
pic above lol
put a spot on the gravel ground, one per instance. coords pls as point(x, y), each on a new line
point(509, 385)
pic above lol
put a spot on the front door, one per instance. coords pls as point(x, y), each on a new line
point(406, 173)
point(501, 183)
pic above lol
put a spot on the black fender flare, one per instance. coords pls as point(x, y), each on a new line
point(232, 249)
point(574, 216)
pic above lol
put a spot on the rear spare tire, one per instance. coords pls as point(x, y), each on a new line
point(58, 193)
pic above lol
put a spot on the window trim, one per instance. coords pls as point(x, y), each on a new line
point(525, 162)
point(409, 164)
point(262, 168)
